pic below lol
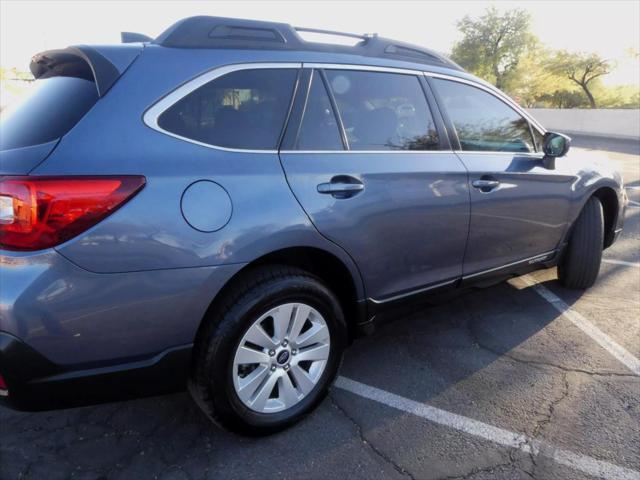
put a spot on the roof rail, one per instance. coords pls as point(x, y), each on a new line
point(332, 32)
point(220, 32)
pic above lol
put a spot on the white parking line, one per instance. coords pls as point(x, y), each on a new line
point(588, 465)
point(601, 338)
point(620, 262)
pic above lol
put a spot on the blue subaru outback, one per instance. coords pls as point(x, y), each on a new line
point(227, 206)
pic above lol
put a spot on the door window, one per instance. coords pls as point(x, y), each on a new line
point(244, 109)
point(484, 122)
point(383, 111)
point(319, 129)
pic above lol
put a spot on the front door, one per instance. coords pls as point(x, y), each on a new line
point(365, 160)
point(519, 207)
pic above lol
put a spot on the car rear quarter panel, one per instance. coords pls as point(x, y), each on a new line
point(74, 317)
point(150, 232)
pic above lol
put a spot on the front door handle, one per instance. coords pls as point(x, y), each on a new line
point(341, 186)
point(485, 185)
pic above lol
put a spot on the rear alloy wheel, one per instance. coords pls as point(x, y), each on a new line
point(267, 354)
point(281, 358)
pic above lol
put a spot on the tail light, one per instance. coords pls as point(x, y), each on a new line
point(4, 390)
point(41, 212)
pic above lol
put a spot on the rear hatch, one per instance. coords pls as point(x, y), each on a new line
point(68, 83)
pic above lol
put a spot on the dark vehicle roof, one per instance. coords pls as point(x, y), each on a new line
point(219, 32)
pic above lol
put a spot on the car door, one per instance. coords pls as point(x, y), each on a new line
point(519, 205)
point(365, 158)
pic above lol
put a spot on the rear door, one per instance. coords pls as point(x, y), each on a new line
point(368, 161)
point(519, 207)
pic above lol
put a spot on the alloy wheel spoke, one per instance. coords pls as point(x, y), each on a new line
point(288, 392)
point(315, 353)
point(247, 356)
point(249, 384)
point(258, 336)
point(281, 320)
point(305, 384)
point(301, 315)
point(264, 392)
point(317, 333)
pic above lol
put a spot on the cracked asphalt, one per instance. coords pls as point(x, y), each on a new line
point(503, 356)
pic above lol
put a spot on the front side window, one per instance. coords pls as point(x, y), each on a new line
point(245, 109)
point(482, 121)
point(383, 111)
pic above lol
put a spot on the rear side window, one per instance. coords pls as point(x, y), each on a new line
point(383, 111)
point(245, 109)
point(319, 129)
point(48, 111)
point(482, 121)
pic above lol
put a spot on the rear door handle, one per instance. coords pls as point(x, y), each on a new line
point(485, 185)
point(341, 187)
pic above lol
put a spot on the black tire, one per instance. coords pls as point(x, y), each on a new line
point(263, 288)
point(580, 264)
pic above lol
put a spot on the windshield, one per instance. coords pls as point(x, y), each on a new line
point(48, 111)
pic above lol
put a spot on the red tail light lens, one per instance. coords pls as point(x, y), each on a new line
point(41, 212)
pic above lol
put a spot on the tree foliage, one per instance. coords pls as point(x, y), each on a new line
point(493, 44)
point(581, 68)
point(500, 48)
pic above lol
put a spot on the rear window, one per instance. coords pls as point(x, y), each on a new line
point(48, 111)
point(244, 109)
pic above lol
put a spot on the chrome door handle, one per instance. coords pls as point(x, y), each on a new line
point(341, 187)
point(485, 185)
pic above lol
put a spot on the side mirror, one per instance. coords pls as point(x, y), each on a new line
point(556, 144)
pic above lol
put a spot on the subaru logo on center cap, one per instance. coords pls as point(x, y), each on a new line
point(283, 357)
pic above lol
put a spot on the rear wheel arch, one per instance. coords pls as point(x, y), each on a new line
point(330, 269)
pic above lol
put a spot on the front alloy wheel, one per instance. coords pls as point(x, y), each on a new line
point(281, 358)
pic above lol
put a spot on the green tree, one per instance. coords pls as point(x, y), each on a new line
point(582, 69)
point(532, 81)
point(493, 44)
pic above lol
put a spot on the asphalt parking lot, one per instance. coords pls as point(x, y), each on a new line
point(497, 383)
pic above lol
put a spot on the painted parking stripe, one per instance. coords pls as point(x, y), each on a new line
point(621, 262)
point(601, 338)
point(583, 463)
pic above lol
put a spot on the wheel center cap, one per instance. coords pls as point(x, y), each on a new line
point(283, 357)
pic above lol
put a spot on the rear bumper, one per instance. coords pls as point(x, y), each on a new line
point(36, 383)
point(72, 337)
point(75, 317)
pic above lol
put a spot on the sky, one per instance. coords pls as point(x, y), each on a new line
point(609, 28)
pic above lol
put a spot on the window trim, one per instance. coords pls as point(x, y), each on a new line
point(152, 114)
